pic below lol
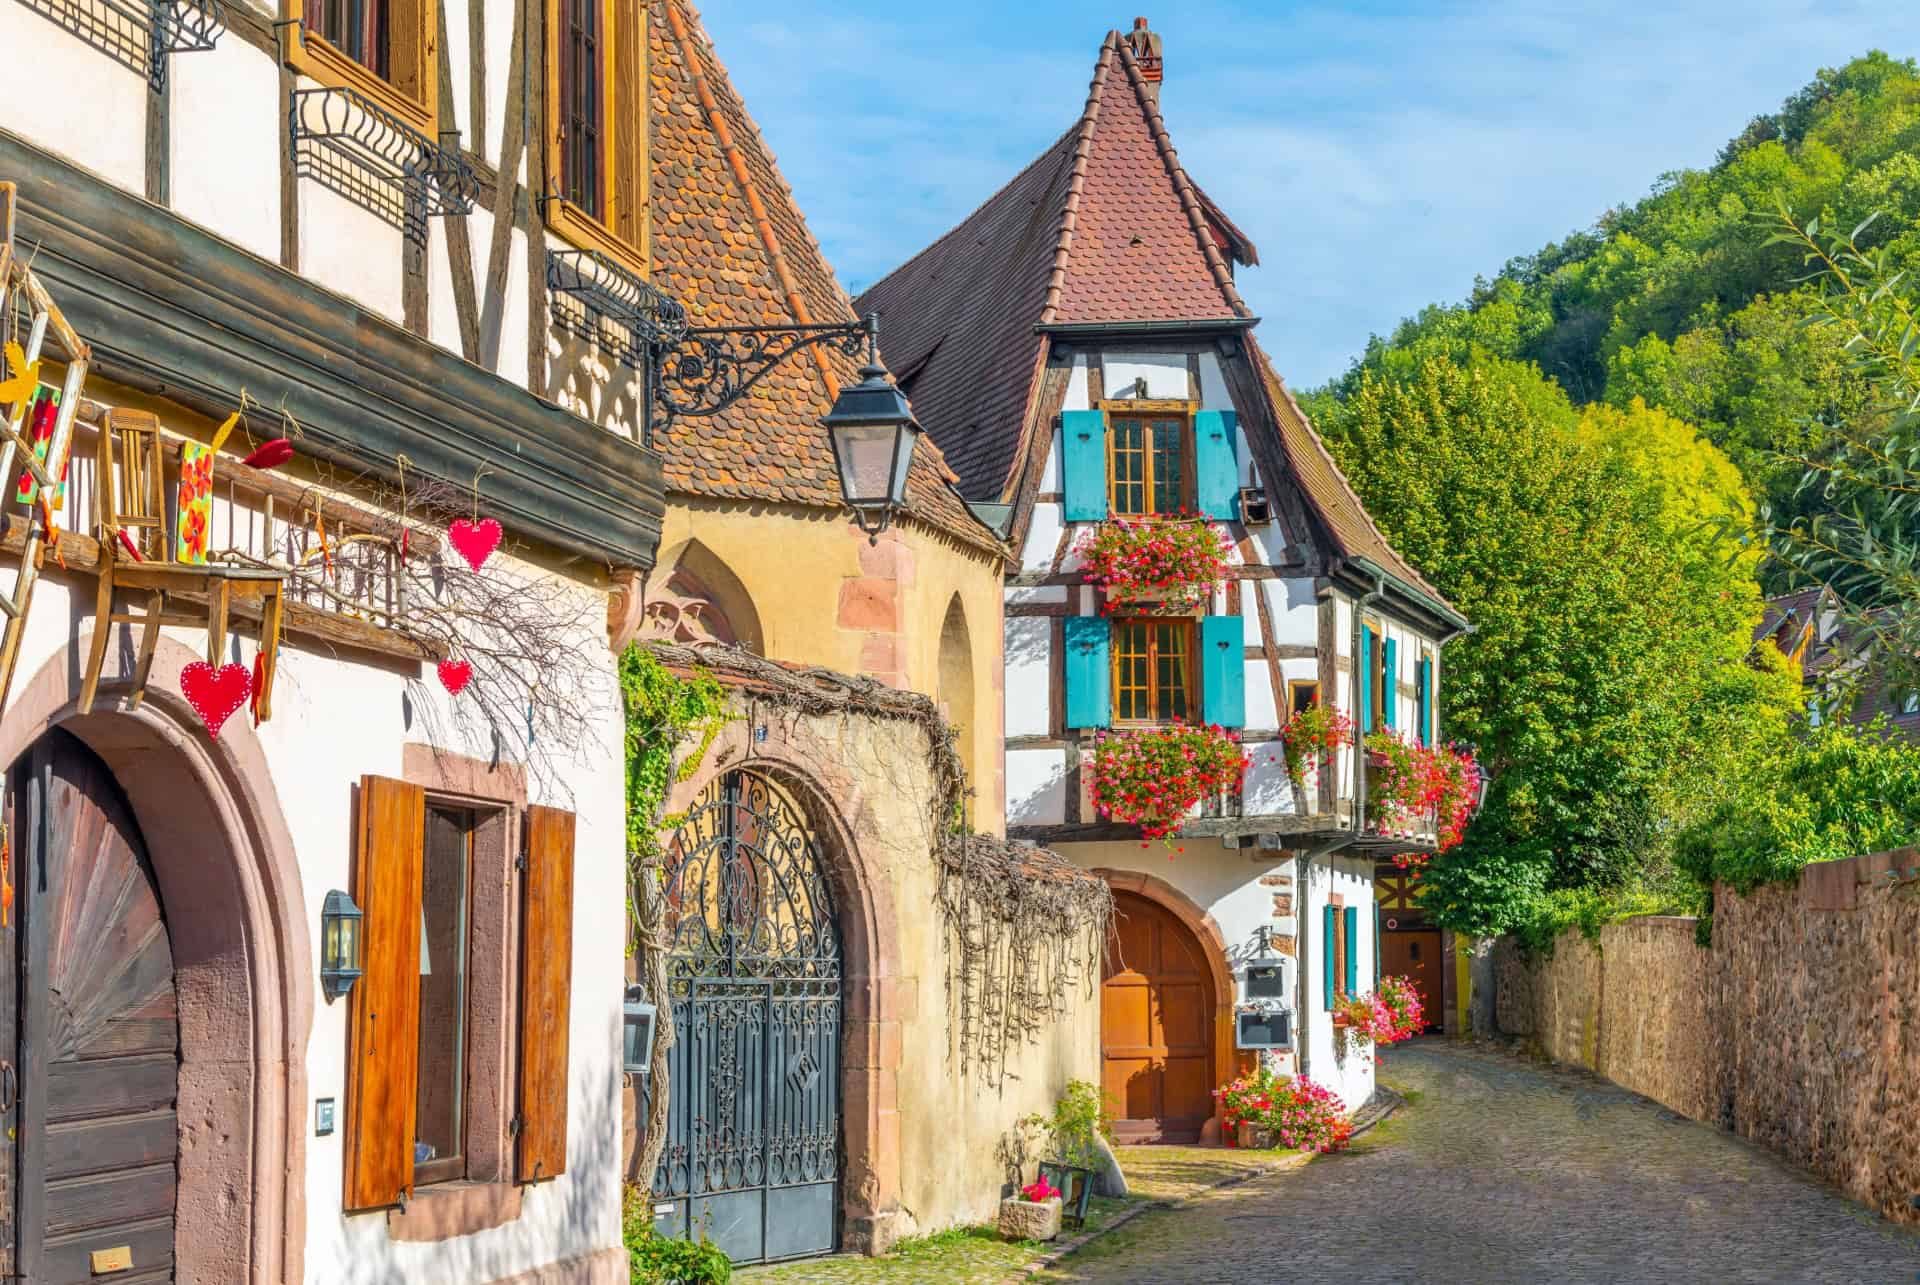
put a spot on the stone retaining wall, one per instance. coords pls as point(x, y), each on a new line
point(1799, 1028)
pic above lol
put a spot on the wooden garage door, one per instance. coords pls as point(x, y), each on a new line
point(1156, 1026)
point(98, 1031)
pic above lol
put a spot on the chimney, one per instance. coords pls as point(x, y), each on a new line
point(1146, 52)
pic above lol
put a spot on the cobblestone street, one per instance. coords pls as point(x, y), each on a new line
point(1501, 1171)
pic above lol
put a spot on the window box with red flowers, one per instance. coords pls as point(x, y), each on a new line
point(1168, 563)
point(1418, 792)
point(1153, 776)
point(1312, 736)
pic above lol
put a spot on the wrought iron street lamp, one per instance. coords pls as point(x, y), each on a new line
point(874, 433)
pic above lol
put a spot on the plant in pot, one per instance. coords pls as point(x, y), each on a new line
point(1244, 1102)
point(1152, 776)
point(1312, 736)
point(1167, 563)
point(1081, 1120)
point(1033, 1214)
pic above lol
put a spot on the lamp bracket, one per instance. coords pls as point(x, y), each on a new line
point(708, 370)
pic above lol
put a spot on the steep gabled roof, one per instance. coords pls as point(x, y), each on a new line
point(1348, 524)
point(1104, 226)
point(730, 243)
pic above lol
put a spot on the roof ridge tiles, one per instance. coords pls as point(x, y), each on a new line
point(1077, 183)
point(1182, 184)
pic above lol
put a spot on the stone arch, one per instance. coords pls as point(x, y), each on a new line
point(805, 764)
point(695, 596)
point(1213, 946)
point(955, 690)
point(224, 860)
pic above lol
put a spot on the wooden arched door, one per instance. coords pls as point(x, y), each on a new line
point(1156, 1025)
point(89, 1031)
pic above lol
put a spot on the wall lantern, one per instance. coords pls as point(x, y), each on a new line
point(340, 963)
point(637, 1033)
point(874, 433)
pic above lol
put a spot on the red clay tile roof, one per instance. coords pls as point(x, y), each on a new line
point(1104, 226)
point(1347, 522)
point(730, 243)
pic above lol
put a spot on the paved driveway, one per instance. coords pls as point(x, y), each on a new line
point(1499, 1171)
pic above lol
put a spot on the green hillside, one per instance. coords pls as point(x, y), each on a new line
point(1676, 299)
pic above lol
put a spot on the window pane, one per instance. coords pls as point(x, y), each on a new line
point(445, 878)
point(1171, 680)
point(357, 28)
point(1130, 467)
point(1169, 465)
point(581, 90)
point(1130, 679)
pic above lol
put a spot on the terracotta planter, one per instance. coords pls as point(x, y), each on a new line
point(1025, 1220)
point(1341, 1020)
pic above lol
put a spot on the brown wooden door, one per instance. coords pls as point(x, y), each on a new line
point(1414, 953)
point(1156, 1026)
point(98, 1036)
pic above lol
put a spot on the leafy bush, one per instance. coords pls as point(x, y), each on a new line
point(1081, 1119)
point(1837, 792)
point(657, 1260)
point(1588, 909)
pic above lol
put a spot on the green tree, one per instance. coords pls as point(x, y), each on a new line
point(1602, 626)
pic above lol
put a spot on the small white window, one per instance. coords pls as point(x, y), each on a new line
point(1911, 705)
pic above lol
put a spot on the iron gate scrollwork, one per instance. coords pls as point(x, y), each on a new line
point(754, 975)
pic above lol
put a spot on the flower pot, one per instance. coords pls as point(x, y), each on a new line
point(1341, 1020)
point(1026, 1220)
point(1256, 1137)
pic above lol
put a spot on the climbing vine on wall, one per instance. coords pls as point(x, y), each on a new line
point(672, 717)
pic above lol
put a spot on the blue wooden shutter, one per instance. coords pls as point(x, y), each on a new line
point(1352, 914)
point(1327, 983)
point(1366, 680)
point(1426, 700)
point(1089, 641)
point(1223, 670)
point(1389, 680)
point(1216, 461)
point(1083, 465)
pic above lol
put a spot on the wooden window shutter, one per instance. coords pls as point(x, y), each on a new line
point(1083, 465)
point(413, 26)
point(1216, 460)
point(1351, 937)
point(1328, 916)
point(1389, 680)
point(1088, 671)
point(383, 1010)
point(626, 91)
point(1223, 670)
point(1426, 700)
point(1366, 680)
point(546, 985)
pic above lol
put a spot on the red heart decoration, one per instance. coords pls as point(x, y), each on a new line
point(270, 454)
point(476, 541)
point(215, 693)
point(455, 675)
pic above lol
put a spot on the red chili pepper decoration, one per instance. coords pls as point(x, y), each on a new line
point(270, 455)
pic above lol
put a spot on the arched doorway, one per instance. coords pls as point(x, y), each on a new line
point(755, 975)
point(1156, 1025)
point(90, 1080)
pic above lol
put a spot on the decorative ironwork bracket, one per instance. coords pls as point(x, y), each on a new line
point(711, 369)
point(138, 34)
point(350, 144)
point(624, 314)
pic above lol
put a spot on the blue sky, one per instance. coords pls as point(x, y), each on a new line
point(1379, 154)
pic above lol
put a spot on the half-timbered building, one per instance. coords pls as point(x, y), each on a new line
point(1078, 348)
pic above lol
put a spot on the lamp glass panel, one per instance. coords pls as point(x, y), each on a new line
point(348, 944)
point(330, 949)
point(865, 453)
point(902, 458)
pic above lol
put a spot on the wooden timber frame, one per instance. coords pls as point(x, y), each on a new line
point(17, 281)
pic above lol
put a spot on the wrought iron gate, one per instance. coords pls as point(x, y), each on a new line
point(753, 1123)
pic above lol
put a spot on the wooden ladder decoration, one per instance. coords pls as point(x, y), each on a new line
point(17, 283)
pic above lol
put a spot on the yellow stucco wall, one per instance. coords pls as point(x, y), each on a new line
point(824, 596)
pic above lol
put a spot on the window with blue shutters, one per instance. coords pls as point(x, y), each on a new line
point(1351, 940)
point(1426, 700)
point(1366, 679)
point(1223, 670)
point(1083, 465)
point(1389, 681)
point(1088, 660)
point(1329, 918)
point(1217, 464)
